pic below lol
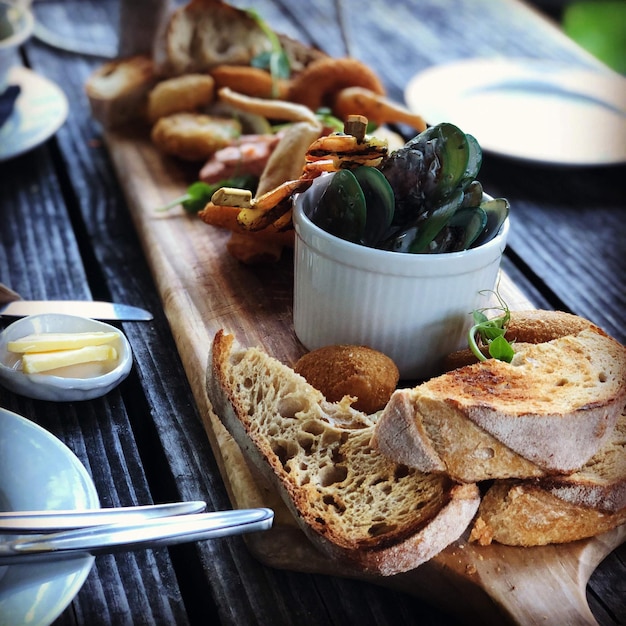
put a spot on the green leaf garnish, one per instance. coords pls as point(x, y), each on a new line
point(275, 60)
point(199, 193)
point(490, 333)
point(501, 349)
point(326, 117)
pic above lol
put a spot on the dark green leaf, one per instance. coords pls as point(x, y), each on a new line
point(501, 349)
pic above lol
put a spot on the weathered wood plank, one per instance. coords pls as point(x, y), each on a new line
point(116, 267)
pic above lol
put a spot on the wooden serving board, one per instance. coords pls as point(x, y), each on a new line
point(203, 290)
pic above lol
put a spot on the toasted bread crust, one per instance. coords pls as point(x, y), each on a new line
point(352, 502)
point(118, 91)
point(203, 34)
point(522, 514)
point(554, 407)
point(601, 483)
point(532, 326)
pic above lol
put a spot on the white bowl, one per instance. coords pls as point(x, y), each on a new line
point(60, 388)
point(415, 308)
point(16, 26)
point(38, 472)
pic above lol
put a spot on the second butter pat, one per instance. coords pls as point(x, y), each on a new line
point(34, 363)
point(46, 342)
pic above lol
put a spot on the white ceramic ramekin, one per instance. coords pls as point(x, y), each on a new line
point(416, 308)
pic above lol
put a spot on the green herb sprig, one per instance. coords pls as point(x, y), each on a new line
point(490, 332)
point(198, 194)
point(275, 60)
point(326, 117)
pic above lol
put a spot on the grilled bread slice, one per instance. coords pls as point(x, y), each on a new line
point(530, 326)
point(561, 508)
point(203, 34)
point(601, 483)
point(118, 91)
point(523, 514)
point(352, 502)
point(547, 412)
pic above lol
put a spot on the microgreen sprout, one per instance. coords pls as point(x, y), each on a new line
point(490, 332)
point(326, 117)
point(274, 60)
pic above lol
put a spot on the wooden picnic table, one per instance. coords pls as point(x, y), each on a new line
point(71, 229)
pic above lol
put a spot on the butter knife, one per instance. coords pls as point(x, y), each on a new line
point(146, 534)
point(94, 309)
point(53, 521)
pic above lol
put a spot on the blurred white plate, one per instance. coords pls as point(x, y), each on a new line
point(528, 109)
point(39, 472)
point(40, 110)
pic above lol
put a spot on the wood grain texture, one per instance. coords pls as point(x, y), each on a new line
point(205, 290)
point(36, 226)
point(103, 259)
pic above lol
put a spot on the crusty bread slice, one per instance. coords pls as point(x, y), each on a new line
point(530, 326)
point(202, 34)
point(558, 509)
point(205, 33)
point(547, 412)
point(118, 91)
point(523, 514)
point(601, 482)
point(351, 501)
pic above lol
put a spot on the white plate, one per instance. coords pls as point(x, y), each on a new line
point(40, 110)
point(37, 471)
point(530, 110)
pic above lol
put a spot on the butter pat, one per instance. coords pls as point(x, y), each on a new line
point(34, 363)
point(47, 342)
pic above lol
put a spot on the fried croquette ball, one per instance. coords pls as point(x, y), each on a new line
point(357, 371)
point(320, 82)
point(181, 94)
point(193, 136)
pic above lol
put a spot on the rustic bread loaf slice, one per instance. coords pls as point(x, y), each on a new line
point(530, 326)
point(118, 91)
point(523, 514)
point(205, 33)
point(547, 412)
point(601, 483)
point(351, 501)
point(558, 509)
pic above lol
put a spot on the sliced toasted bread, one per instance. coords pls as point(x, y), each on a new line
point(351, 501)
point(523, 514)
point(202, 34)
point(558, 509)
point(531, 326)
point(547, 412)
point(601, 483)
point(118, 91)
